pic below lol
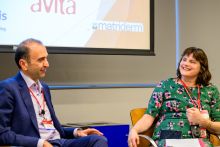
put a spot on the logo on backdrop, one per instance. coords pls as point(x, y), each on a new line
point(62, 7)
point(3, 16)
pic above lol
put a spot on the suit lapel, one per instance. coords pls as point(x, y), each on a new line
point(50, 107)
point(30, 107)
point(27, 100)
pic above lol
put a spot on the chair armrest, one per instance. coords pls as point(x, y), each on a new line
point(149, 139)
point(214, 139)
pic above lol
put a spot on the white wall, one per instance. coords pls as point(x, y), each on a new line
point(200, 27)
point(89, 105)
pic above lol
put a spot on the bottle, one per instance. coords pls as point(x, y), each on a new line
point(203, 132)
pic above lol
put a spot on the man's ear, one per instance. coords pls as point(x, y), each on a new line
point(23, 63)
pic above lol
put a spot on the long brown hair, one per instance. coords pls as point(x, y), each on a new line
point(204, 75)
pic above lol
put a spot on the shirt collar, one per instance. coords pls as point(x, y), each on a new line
point(30, 82)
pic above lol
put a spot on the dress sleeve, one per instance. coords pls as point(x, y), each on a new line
point(215, 104)
point(156, 100)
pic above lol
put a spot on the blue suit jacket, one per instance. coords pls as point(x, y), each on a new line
point(18, 122)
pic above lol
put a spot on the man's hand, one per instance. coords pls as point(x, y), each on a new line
point(89, 131)
point(47, 144)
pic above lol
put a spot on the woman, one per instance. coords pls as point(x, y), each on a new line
point(178, 103)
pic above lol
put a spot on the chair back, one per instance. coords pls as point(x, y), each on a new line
point(136, 114)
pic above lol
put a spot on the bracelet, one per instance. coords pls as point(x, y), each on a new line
point(209, 125)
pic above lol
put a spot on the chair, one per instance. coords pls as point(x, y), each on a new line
point(137, 113)
point(214, 139)
point(145, 137)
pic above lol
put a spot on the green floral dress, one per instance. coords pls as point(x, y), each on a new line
point(169, 102)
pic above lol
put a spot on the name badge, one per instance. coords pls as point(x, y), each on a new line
point(48, 124)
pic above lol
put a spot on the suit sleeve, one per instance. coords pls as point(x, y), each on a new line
point(7, 104)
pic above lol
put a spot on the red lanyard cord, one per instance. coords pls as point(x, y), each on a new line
point(42, 110)
point(188, 91)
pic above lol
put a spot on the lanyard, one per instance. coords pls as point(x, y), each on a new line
point(42, 108)
point(190, 93)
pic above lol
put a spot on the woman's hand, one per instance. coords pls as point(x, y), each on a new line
point(89, 131)
point(133, 138)
point(194, 116)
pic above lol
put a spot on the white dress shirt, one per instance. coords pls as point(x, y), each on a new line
point(36, 92)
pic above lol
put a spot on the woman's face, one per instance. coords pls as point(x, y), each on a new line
point(189, 67)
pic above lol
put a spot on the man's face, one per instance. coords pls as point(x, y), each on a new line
point(37, 62)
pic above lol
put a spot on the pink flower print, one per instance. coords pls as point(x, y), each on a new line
point(180, 90)
point(190, 132)
point(171, 124)
point(168, 104)
point(160, 84)
point(209, 93)
point(176, 106)
point(181, 123)
point(158, 105)
point(155, 96)
point(160, 94)
point(167, 94)
point(212, 106)
point(179, 114)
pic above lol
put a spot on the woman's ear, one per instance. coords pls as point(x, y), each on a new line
point(23, 63)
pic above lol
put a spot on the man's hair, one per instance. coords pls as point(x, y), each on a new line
point(22, 51)
point(204, 75)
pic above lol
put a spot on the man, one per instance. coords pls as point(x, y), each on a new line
point(27, 117)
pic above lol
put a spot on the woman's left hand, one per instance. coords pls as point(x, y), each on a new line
point(194, 116)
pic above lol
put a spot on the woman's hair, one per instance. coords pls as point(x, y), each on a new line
point(22, 51)
point(204, 75)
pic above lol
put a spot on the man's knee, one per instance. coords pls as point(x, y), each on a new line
point(99, 140)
